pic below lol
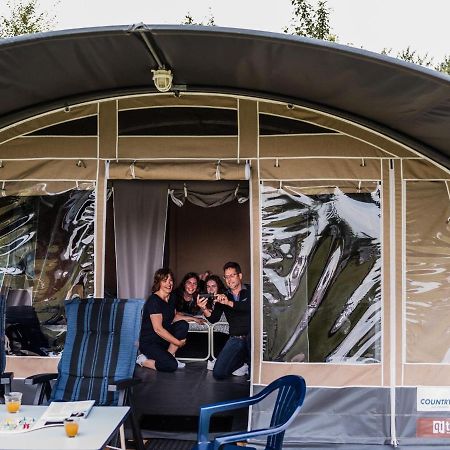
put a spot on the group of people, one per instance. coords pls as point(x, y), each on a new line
point(167, 313)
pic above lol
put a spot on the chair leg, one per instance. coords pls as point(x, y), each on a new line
point(116, 440)
point(43, 391)
point(127, 399)
point(122, 438)
point(136, 430)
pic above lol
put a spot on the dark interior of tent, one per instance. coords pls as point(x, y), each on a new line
point(197, 238)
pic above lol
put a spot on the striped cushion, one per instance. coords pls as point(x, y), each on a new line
point(101, 347)
point(2, 333)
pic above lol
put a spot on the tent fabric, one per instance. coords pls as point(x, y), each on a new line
point(408, 103)
point(427, 269)
point(383, 143)
point(30, 188)
point(44, 121)
point(140, 215)
point(47, 170)
point(176, 170)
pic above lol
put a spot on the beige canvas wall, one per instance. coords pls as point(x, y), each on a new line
point(353, 156)
point(427, 212)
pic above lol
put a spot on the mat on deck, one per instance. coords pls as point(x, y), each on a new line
point(169, 444)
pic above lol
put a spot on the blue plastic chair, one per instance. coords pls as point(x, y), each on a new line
point(5, 377)
point(99, 355)
point(291, 393)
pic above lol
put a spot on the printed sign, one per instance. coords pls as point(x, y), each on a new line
point(436, 427)
point(433, 399)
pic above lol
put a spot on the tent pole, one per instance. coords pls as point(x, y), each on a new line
point(392, 299)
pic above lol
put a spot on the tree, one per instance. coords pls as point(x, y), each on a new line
point(25, 17)
point(423, 60)
point(310, 22)
point(444, 66)
point(411, 56)
point(189, 20)
point(315, 22)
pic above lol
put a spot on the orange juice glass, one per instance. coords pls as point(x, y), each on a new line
point(13, 401)
point(71, 426)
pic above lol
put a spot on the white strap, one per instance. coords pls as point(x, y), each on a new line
point(218, 170)
point(392, 297)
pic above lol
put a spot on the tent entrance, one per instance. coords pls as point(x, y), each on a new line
point(194, 238)
point(190, 226)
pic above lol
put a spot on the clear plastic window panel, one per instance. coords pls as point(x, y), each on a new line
point(427, 242)
point(46, 255)
point(321, 255)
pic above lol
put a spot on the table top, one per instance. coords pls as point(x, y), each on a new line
point(95, 431)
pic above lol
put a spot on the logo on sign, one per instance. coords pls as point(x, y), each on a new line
point(433, 427)
point(433, 399)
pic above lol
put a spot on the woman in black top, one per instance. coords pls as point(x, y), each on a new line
point(186, 296)
point(214, 285)
point(163, 330)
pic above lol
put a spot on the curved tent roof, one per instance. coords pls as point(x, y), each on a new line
point(45, 71)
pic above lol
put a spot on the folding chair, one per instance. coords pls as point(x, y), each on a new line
point(291, 393)
point(5, 377)
point(99, 356)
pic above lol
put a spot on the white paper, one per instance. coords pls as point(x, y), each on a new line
point(58, 411)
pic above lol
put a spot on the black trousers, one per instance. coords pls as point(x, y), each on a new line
point(165, 361)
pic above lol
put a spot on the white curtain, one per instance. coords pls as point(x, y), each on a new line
point(140, 213)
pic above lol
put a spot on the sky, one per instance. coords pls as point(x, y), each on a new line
point(371, 24)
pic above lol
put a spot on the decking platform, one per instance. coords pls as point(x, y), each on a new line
point(168, 404)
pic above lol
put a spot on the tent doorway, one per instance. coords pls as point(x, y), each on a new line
point(190, 226)
point(196, 238)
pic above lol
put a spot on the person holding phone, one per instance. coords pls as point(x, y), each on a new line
point(186, 298)
point(214, 286)
point(235, 303)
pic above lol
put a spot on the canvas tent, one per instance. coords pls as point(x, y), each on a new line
point(345, 155)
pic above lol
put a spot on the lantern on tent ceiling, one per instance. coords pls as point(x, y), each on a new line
point(162, 79)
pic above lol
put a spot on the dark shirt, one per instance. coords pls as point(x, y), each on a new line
point(238, 316)
point(185, 307)
point(156, 305)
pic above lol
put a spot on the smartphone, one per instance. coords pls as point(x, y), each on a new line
point(209, 298)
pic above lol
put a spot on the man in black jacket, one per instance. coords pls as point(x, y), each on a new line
point(236, 305)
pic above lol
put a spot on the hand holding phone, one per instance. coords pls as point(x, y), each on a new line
point(209, 299)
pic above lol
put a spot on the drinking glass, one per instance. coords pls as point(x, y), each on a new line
point(13, 401)
point(71, 425)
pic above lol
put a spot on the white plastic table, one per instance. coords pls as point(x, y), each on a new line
point(94, 433)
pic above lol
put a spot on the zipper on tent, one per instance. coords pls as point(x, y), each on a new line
point(392, 297)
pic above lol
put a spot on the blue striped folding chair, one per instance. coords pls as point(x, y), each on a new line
point(99, 355)
point(5, 377)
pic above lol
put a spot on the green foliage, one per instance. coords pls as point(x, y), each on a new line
point(189, 20)
point(423, 60)
point(25, 17)
point(310, 22)
point(444, 66)
point(411, 56)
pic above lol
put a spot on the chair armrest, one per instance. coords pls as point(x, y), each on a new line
point(44, 387)
point(207, 411)
point(123, 384)
point(6, 377)
point(235, 437)
point(40, 378)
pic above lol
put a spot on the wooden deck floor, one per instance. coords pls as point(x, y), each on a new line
point(168, 404)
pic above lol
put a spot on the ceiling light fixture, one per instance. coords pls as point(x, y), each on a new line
point(162, 79)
